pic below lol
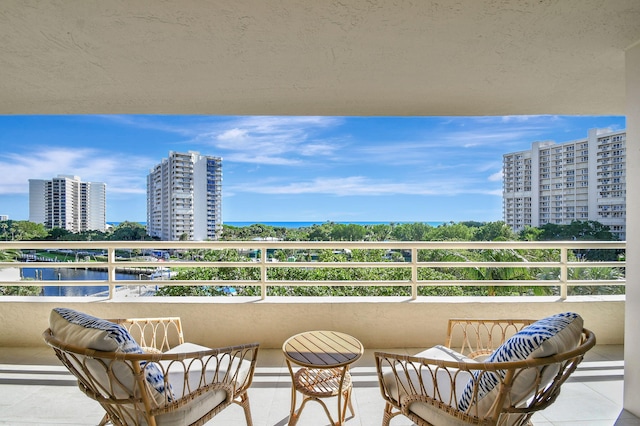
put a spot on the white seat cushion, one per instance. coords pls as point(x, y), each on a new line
point(443, 353)
point(408, 378)
point(216, 368)
point(192, 412)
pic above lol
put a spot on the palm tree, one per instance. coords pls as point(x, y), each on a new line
point(593, 274)
point(9, 255)
point(4, 226)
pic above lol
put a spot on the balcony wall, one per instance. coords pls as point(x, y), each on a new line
point(377, 322)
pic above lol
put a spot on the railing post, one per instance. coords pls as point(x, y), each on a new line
point(414, 273)
point(111, 271)
point(564, 272)
point(263, 273)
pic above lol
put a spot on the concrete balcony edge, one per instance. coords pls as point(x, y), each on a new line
point(381, 322)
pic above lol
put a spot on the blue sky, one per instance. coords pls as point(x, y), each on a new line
point(345, 169)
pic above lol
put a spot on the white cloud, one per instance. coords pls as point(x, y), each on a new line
point(492, 165)
point(260, 158)
point(527, 118)
point(317, 149)
point(262, 139)
point(291, 140)
point(145, 122)
point(363, 186)
point(496, 177)
point(603, 131)
point(497, 119)
point(248, 139)
point(122, 174)
point(232, 134)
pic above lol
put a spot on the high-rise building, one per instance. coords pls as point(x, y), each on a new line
point(559, 183)
point(184, 197)
point(68, 203)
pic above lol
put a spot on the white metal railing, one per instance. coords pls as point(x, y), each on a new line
point(112, 263)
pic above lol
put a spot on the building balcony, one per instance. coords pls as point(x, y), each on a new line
point(36, 389)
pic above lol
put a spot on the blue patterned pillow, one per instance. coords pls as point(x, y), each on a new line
point(76, 328)
point(546, 337)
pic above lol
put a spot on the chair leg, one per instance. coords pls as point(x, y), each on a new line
point(105, 420)
point(244, 403)
point(387, 415)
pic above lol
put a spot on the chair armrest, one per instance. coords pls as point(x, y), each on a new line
point(154, 334)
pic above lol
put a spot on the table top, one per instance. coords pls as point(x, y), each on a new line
point(322, 349)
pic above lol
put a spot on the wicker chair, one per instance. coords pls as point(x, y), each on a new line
point(203, 381)
point(427, 389)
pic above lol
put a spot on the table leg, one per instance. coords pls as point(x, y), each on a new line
point(346, 394)
point(293, 417)
point(343, 393)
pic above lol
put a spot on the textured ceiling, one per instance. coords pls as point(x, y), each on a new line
point(301, 57)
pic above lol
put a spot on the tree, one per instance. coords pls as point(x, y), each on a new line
point(350, 232)
point(9, 255)
point(229, 233)
point(58, 234)
point(582, 231)
point(452, 232)
point(412, 232)
point(378, 232)
point(129, 231)
point(320, 232)
point(472, 223)
point(3, 229)
point(31, 290)
point(295, 234)
point(577, 230)
point(23, 230)
point(530, 234)
point(589, 274)
point(494, 231)
point(12, 256)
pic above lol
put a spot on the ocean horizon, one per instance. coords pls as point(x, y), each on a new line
point(306, 224)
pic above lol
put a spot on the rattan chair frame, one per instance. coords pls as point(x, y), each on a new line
point(476, 339)
point(219, 369)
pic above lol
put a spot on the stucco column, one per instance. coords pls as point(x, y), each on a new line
point(632, 309)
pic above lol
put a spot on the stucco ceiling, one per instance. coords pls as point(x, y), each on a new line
point(302, 57)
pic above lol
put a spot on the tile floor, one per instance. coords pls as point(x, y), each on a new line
point(36, 390)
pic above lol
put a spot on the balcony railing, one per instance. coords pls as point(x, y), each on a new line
point(409, 261)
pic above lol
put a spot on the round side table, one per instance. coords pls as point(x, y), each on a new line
point(324, 358)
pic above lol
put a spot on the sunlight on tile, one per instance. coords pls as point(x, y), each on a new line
point(36, 389)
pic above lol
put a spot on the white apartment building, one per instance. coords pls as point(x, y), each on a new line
point(559, 183)
point(184, 197)
point(68, 203)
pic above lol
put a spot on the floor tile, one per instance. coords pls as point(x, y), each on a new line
point(35, 389)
